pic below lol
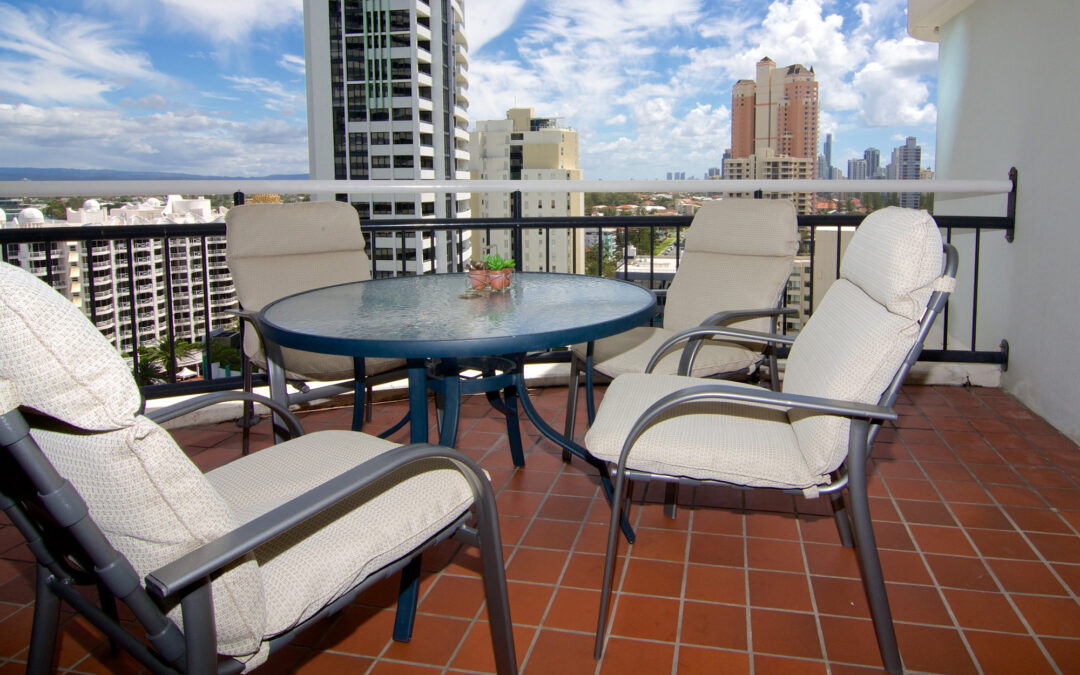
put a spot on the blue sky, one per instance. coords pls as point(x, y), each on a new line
point(217, 86)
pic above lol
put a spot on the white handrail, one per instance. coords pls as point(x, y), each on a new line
point(88, 188)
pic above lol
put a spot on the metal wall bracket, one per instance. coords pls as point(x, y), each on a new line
point(1011, 207)
point(1004, 346)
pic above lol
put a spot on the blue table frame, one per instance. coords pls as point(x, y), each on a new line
point(436, 316)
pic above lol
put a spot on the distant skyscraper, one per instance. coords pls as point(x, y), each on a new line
point(828, 153)
point(774, 127)
point(873, 161)
point(387, 99)
point(856, 169)
point(778, 112)
point(538, 149)
point(713, 172)
point(670, 176)
point(906, 164)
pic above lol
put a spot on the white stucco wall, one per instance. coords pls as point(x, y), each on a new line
point(1008, 95)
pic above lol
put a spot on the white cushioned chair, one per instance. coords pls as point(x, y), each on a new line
point(843, 374)
point(275, 250)
point(219, 568)
point(735, 265)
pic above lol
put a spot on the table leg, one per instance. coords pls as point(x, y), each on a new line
point(418, 423)
point(566, 443)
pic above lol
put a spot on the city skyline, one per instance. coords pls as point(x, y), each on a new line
point(218, 88)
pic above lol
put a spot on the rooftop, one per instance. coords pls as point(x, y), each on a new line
point(976, 503)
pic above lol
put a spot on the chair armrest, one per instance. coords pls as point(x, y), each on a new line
point(704, 331)
point(211, 557)
point(716, 392)
point(723, 318)
point(200, 402)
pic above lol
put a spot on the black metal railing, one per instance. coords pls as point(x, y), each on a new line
point(47, 242)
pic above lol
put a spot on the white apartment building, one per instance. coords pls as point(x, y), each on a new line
point(387, 93)
point(525, 147)
point(767, 164)
point(95, 275)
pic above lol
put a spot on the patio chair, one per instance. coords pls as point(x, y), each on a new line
point(219, 569)
point(735, 266)
point(843, 375)
point(274, 250)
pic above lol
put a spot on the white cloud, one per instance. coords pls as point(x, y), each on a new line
point(487, 19)
point(617, 120)
point(276, 96)
point(222, 21)
point(894, 92)
point(292, 63)
point(65, 58)
point(189, 141)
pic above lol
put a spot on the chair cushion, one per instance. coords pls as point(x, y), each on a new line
point(275, 250)
point(315, 563)
point(263, 230)
point(850, 349)
point(154, 505)
point(739, 444)
point(630, 352)
point(738, 256)
point(895, 256)
point(754, 227)
point(61, 366)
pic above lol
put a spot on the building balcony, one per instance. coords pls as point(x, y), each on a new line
point(976, 516)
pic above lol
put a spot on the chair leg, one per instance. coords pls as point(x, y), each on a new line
point(248, 418)
point(360, 389)
point(590, 402)
point(46, 625)
point(494, 578)
point(866, 546)
point(617, 500)
point(108, 605)
point(408, 595)
point(671, 500)
point(843, 522)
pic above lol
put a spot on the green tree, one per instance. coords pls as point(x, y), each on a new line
point(154, 359)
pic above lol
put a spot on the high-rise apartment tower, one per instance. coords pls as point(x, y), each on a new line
point(774, 127)
point(387, 99)
point(525, 147)
point(778, 112)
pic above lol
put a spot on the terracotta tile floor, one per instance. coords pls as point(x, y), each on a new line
point(977, 507)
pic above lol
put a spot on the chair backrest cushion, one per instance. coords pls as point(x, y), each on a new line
point(738, 255)
point(275, 250)
point(150, 500)
point(59, 363)
point(854, 343)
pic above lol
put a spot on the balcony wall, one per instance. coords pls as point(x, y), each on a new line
point(1002, 102)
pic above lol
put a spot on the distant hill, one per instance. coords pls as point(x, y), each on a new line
point(27, 173)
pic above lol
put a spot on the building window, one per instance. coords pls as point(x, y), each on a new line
point(405, 208)
point(381, 208)
point(380, 138)
point(427, 209)
point(403, 161)
point(380, 115)
point(380, 161)
point(403, 138)
point(402, 113)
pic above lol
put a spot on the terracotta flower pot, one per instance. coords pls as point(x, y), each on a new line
point(500, 279)
point(479, 279)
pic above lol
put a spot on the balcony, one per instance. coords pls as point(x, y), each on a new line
point(977, 509)
point(975, 500)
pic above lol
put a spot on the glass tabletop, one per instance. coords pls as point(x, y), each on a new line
point(436, 316)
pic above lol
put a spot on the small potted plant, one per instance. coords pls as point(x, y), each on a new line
point(479, 275)
point(500, 271)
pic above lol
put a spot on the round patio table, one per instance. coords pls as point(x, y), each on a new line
point(437, 316)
